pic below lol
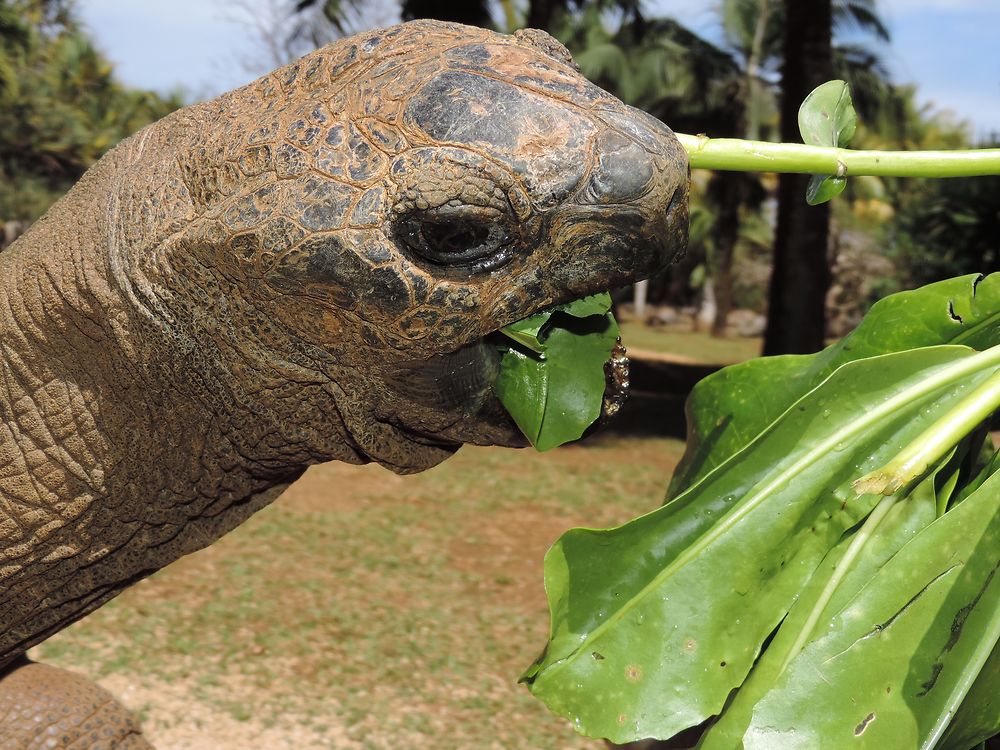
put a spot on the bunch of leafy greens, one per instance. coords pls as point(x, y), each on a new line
point(552, 373)
point(826, 572)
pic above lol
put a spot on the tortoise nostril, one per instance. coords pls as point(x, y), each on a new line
point(622, 170)
point(677, 200)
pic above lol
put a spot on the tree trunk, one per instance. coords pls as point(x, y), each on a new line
point(541, 13)
point(731, 194)
point(728, 193)
point(796, 321)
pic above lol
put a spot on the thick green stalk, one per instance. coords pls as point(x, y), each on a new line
point(936, 440)
point(763, 156)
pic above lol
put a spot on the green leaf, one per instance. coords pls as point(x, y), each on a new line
point(712, 573)
point(729, 408)
point(827, 116)
point(522, 387)
point(822, 188)
point(978, 718)
point(530, 331)
point(555, 390)
point(845, 571)
point(910, 644)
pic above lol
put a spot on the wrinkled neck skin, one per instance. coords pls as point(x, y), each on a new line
point(144, 411)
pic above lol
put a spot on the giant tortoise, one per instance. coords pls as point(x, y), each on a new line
point(301, 270)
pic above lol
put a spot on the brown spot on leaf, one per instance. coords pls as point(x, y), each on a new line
point(860, 728)
point(633, 673)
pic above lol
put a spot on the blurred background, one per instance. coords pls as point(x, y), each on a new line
point(367, 611)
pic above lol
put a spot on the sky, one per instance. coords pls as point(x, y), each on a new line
point(947, 47)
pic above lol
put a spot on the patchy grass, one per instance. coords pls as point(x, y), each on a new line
point(366, 610)
point(690, 345)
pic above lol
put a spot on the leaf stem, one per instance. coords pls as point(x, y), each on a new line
point(861, 538)
point(911, 462)
point(763, 156)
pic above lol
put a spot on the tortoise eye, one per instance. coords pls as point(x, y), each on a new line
point(467, 237)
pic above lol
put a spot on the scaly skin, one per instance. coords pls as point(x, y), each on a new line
point(302, 270)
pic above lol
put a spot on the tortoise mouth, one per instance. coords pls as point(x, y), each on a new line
point(456, 398)
point(455, 395)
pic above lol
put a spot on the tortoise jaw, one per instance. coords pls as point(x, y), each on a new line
point(453, 393)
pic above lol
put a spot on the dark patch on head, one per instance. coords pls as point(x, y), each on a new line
point(303, 133)
point(348, 57)
point(419, 286)
point(387, 292)
point(623, 170)
point(575, 90)
point(290, 161)
point(371, 208)
point(541, 140)
point(476, 54)
point(329, 265)
point(251, 209)
point(463, 108)
point(321, 204)
point(641, 126)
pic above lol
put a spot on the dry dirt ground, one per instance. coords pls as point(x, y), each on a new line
point(366, 610)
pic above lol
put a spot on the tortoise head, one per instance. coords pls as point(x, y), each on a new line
point(404, 193)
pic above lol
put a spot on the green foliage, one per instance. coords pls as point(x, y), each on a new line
point(60, 105)
point(726, 409)
point(827, 118)
point(553, 383)
point(769, 575)
point(948, 227)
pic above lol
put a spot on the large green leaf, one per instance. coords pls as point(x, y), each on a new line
point(713, 572)
point(854, 564)
point(731, 407)
point(894, 664)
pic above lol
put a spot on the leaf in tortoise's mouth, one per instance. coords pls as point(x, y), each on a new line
point(561, 370)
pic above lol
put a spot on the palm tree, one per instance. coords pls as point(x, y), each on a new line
point(60, 105)
point(796, 321)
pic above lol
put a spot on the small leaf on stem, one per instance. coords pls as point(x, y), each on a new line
point(827, 118)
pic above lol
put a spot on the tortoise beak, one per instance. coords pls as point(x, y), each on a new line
point(457, 388)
